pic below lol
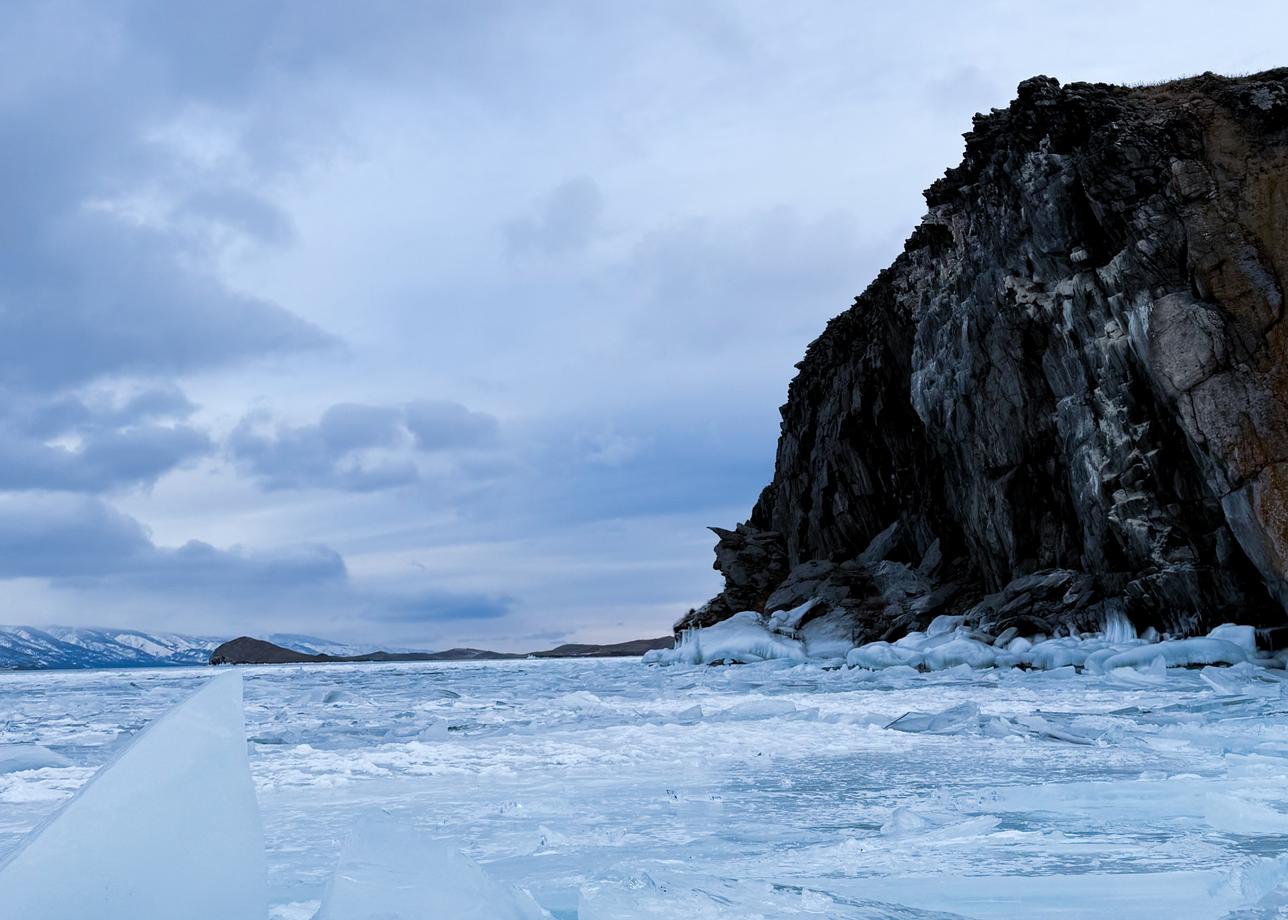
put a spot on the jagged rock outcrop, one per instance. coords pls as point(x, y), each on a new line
point(1068, 396)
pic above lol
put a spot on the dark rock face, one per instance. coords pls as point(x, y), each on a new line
point(1068, 396)
point(752, 562)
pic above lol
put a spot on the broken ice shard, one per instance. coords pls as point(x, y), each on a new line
point(168, 829)
point(391, 871)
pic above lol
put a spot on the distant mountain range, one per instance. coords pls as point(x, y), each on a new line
point(61, 647)
point(76, 647)
point(28, 647)
point(245, 650)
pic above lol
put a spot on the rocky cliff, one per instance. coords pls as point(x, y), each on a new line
point(1067, 397)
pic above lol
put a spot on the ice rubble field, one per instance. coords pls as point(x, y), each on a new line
point(780, 788)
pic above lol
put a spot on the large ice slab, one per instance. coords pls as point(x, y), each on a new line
point(390, 871)
point(168, 829)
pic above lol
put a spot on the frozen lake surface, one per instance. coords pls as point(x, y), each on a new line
point(610, 789)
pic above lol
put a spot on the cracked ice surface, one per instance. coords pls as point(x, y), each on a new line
point(614, 790)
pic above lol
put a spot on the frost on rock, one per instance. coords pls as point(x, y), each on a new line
point(169, 828)
point(948, 643)
point(791, 619)
point(943, 625)
point(828, 636)
point(390, 871)
point(1179, 653)
point(879, 655)
point(960, 651)
point(1118, 629)
point(743, 638)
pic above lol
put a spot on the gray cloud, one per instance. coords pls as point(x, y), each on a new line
point(718, 284)
point(65, 443)
point(566, 219)
point(83, 542)
point(443, 425)
point(81, 545)
point(103, 461)
point(151, 402)
point(49, 416)
point(95, 277)
point(349, 426)
point(436, 606)
point(234, 211)
point(356, 448)
point(329, 456)
point(103, 299)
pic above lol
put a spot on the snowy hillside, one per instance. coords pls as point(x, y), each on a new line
point(25, 647)
point(312, 645)
point(88, 647)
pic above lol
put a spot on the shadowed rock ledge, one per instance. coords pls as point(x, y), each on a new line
point(1066, 398)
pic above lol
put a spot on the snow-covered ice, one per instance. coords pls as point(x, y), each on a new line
point(749, 637)
point(785, 787)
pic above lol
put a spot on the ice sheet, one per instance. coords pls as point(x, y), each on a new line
point(777, 784)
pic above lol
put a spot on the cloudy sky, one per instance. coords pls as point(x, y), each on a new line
point(456, 323)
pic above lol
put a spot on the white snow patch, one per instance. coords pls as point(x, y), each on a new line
point(960, 651)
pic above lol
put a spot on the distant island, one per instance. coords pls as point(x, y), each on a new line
point(247, 650)
point(30, 648)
